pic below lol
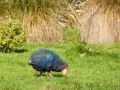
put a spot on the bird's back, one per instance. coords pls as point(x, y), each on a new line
point(43, 56)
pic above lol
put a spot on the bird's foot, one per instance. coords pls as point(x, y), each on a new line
point(50, 74)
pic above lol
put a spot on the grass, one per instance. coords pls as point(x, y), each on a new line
point(91, 72)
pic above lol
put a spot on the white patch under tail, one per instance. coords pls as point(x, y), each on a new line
point(29, 61)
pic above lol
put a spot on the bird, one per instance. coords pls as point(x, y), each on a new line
point(45, 60)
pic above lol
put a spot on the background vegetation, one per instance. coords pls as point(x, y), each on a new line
point(97, 20)
point(11, 35)
point(41, 19)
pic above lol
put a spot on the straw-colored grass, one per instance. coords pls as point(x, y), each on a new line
point(41, 19)
point(41, 30)
point(100, 22)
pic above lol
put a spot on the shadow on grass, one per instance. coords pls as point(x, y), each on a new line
point(15, 51)
point(20, 50)
point(45, 75)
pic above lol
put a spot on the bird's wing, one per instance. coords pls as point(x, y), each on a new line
point(43, 56)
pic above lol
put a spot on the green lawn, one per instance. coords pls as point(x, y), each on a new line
point(91, 72)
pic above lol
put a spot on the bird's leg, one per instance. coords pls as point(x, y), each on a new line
point(40, 73)
point(50, 74)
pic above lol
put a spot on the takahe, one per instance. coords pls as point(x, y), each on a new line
point(45, 60)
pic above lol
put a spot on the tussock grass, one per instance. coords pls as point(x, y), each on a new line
point(94, 72)
point(100, 22)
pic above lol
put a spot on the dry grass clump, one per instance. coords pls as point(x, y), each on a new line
point(101, 22)
point(41, 30)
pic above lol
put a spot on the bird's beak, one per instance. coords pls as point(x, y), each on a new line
point(64, 70)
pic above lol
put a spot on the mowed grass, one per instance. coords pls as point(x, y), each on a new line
point(96, 72)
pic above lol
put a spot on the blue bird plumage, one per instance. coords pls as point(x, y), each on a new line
point(45, 60)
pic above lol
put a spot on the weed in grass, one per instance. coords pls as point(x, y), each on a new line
point(93, 50)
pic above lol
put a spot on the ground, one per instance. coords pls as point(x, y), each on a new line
point(95, 72)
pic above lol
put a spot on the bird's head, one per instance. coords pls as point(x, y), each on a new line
point(60, 66)
point(64, 66)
